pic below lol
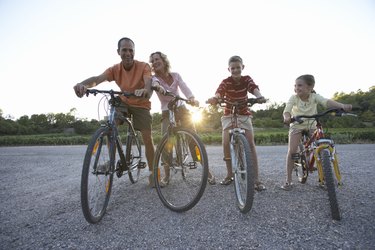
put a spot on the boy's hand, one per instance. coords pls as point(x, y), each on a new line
point(261, 99)
point(212, 101)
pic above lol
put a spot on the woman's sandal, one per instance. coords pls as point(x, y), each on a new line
point(227, 181)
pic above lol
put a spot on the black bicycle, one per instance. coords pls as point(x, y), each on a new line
point(100, 162)
point(180, 164)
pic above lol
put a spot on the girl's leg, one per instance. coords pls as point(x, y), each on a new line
point(294, 139)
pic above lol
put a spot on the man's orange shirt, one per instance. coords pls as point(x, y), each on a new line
point(129, 81)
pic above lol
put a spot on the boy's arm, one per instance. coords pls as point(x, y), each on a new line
point(258, 95)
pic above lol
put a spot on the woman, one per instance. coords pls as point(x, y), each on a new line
point(172, 82)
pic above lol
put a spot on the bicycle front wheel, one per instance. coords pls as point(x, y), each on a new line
point(133, 156)
point(97, 175)
point(180, 170)
point(330, 183)
point(243, 171)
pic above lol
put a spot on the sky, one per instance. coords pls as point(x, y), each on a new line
point(47, 46)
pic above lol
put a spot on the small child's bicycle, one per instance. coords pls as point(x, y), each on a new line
point(180, 163)
point(319, 153)
point(100, 163)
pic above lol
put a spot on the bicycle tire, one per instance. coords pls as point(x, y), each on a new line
point(97, 175)
point(187, 180)
point(330, 184)
point(243, 182)
point(133, 157)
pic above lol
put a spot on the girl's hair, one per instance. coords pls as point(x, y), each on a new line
point(235, 59)
point(163, 57)
point(309, 80)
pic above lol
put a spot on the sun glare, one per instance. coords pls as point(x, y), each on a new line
point(196, 116)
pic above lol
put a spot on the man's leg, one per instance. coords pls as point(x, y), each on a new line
point(149, 148)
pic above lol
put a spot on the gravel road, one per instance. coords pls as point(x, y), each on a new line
point(40, 207)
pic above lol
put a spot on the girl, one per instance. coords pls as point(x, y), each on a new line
point(303, 102)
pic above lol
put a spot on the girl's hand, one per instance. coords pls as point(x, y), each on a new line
point(287, 118)
point(347, 107)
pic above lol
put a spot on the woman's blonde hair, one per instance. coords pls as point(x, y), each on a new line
point(163, 57)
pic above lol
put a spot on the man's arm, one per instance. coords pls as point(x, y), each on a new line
point(80, 88)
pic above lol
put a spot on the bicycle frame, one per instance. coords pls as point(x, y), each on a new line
point(114, 134)
point(313, 145)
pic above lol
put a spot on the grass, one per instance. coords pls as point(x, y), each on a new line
point(262, 137)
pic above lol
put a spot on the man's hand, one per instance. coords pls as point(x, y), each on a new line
point(141, 93)
point(80, 89)
point(159, 88)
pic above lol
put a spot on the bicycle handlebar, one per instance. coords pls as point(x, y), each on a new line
point(224, 101)
point(333, 112)
point(111, 92)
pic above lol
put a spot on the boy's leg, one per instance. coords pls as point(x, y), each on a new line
point(250, 138)
point(227, 157)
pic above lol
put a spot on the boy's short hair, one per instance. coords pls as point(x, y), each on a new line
point(235, 59)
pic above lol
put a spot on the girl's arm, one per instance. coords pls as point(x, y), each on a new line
point(339, 105)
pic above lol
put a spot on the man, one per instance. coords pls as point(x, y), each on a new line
point(135, 77)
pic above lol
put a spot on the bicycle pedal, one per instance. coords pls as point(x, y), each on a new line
point(192, 165)
point(141, 165)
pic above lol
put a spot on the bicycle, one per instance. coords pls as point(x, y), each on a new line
point(180, 163)
point(242, 164)
point(100, 164)
point(316, 152)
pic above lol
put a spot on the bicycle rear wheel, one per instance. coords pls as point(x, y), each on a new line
point(243, 171)
point(97, 175)
point(180, 170)
point(133, 156)
point(330, 183)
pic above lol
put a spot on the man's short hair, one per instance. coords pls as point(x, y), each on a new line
point(124, 39)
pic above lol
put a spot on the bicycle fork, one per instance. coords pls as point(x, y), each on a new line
point(322, 145)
